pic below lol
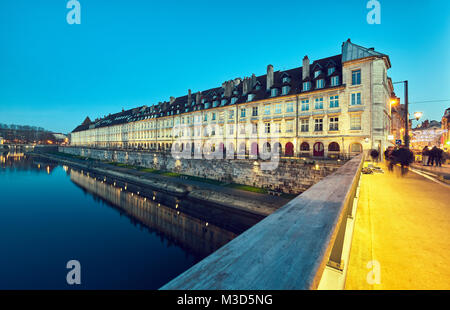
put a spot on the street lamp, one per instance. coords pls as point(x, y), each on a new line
point(418, 115)
point(406, 112)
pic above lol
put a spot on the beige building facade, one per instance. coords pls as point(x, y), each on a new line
point(333, 106)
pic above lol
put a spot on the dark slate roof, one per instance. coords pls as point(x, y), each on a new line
point(180, 104)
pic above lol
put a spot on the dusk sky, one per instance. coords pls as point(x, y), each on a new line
point(131, 53)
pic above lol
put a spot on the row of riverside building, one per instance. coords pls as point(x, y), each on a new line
point(332, 106)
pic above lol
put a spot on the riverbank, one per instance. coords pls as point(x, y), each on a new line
point(251, 200)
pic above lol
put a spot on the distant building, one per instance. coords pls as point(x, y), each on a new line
point(428, 134)
point(446, 130)
point(1, 140)
point(398, 122)
point(60, 138)
point(334, 105)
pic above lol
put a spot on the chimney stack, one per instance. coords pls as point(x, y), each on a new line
point(305, 69)
point(189, 97)
point(269, 76)
point(197, 97)
point(172, 100)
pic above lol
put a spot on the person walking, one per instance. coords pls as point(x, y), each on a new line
point(425, 156)
point(439, 157)
point(404, 157)
point(432, 156)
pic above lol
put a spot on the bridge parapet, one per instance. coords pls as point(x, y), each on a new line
point(290, 248)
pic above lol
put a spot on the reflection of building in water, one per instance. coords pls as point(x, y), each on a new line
point(199, 237)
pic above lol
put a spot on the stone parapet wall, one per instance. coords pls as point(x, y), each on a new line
point(292, 176)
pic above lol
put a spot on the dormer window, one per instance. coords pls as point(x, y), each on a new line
point(274, 92)
point(215, 103)
point(203, 100)
point(233, 100)
point(258, 87)
point(250, 97)
point(235, 92)
point(286, 79)
point(224, 101)
point(306, 86)
point(331, 70)
point(335, 81)
point(320, 83)
point(317, 73)
point(207, 105)
point(285, 90)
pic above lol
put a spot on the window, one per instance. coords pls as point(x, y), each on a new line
point(355, 122)
point(356, 99)
point(320, 83)
point(335, 80)
point(213, 118)
point(289, 107)
point(304, 125)
point(231, 114)
point(233, 100)
point(334, 102)
point(267, 109)
point(274, 92)
point(317, 73)
point(206, 117)
point(290, 126)
point(254, 128)
point(334, 123)
point(215, 103)
point(318, 104)
point(250, 97)
point(318, 124)
point(305, 105)
point(286, 79)
point(285, 90)
point(231, 129)
point(267, 127)
point(331, 70)
point(255, 111)
point(243, 112)
point(356, 77)
point(306, 86)
point(277, 127)
point(278, 108)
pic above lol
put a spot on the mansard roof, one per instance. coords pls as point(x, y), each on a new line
point(183, 104)
point(352, 51)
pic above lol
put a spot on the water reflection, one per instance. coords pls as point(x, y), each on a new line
point(199, 237)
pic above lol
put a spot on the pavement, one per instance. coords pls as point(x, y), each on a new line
point(401, 238)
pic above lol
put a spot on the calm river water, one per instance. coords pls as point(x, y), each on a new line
point(52, 214)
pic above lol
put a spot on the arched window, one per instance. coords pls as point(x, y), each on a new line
point(289, 149)
point(355, 148)
point(266, 147)
point(333, 147)
point(304, 146)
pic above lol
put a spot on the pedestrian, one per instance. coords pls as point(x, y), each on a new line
point(425, 156)
point(391, 158)
point(432, 156)
point(439, 157)
point(404, 157)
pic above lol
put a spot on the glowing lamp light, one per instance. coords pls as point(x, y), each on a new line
point(418, 115)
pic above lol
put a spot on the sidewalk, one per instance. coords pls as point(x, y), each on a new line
point(403, 225)
point(443, 173)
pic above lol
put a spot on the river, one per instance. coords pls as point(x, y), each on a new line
point(51, 214)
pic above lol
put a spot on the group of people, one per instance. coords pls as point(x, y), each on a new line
point(433, 156)
point(398, 155)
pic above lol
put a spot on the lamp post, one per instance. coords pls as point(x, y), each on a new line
point(418, 115)
point(406, 113)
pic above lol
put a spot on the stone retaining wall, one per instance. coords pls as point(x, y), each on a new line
point(292, 176)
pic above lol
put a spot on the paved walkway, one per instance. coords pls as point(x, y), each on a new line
point(442, 171)
point(403, 224)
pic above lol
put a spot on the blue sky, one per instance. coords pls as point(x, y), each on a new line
point(135, 52)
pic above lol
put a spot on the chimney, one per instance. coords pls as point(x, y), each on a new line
point(189, 97)
point(245, 86)
point(172, 99)
point(305, 69)
point(269, 76)
point(197, 97)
